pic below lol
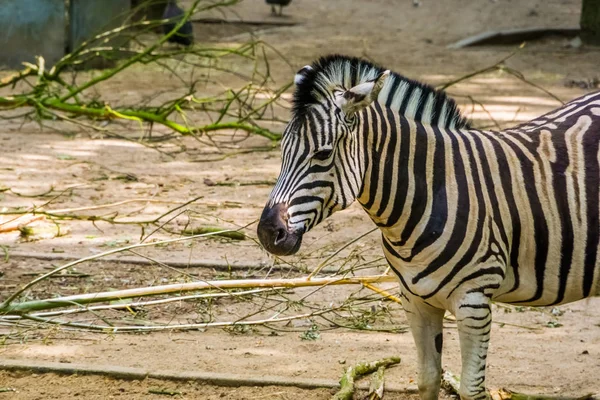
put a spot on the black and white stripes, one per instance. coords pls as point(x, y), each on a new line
point(317, 82)
point(467, 216)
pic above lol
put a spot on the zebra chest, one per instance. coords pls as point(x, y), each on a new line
point(410, 270)
point(444, 275)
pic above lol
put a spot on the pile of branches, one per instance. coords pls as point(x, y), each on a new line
point(60, 93)
point(267, 293)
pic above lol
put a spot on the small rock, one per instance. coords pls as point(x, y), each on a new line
point(585, 352)
point(575, 43)
point(557, 312)
point(299, 323)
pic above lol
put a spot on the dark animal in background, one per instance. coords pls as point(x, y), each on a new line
point(185, 33)
point(280, 3)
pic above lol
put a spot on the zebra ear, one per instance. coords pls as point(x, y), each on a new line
point(362, 95)
point(301, 75)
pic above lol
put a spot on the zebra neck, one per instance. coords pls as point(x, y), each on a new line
point(420, 102)
point(394, 171)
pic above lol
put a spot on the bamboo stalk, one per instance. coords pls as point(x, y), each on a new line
point(137, 304)
point(82, 299)
point(382, 292)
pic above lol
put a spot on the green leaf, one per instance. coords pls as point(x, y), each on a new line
point(311, 334)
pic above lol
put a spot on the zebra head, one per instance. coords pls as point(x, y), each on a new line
point(321, 169)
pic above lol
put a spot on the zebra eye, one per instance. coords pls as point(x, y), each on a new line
point(323, 155)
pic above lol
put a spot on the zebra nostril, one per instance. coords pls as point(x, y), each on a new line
point(281, 235)
point(274, 234)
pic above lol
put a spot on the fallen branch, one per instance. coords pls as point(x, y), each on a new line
point(115, 204)
point(109, 328)
point(167, 392)
point(18, 222)
point(346, 391)
point(235, 235)
point(82, 299)
point(215, 264)
point(108, 113)
point(6, 305)
point(208, 182)
point(377, 384)
point(450, 382)
point(137, 304)
point(65, 214)
point(50, 97)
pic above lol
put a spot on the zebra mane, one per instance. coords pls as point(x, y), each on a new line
point(412, 99)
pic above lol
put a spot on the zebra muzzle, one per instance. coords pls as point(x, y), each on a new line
point(274, 233)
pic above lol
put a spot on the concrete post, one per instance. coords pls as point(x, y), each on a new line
point(30, 28)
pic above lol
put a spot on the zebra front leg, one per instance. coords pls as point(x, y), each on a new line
point(474, 321)
point(426, 324)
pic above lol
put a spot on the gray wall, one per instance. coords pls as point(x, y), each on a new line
point(38, 27)
point(29, 28)
point(91, 17)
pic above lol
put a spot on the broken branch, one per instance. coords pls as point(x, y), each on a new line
point(346, 391)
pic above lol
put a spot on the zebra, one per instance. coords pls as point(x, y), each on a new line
point(467, 216)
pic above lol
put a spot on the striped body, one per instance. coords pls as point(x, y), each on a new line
point(514, 211)
point(467, 216)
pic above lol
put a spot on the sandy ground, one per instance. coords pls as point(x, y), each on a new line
point(533, 350)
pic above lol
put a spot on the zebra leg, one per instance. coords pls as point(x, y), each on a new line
point(474, 321)
point(426, 324)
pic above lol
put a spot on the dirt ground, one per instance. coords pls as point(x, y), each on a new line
point(551, 351)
